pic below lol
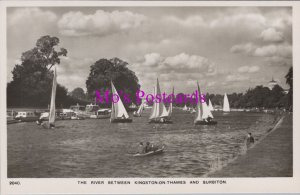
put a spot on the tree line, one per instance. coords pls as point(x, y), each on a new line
point(258, 97)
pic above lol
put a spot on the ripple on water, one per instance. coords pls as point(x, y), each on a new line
point(96, 148)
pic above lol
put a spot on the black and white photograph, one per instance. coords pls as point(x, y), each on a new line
point(149, 92)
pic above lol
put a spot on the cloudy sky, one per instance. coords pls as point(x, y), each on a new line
point(227, 49)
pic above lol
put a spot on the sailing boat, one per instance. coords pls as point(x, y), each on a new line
point(159, 113)
point(210, 106)
point(203, 114)
point(138, 113)
point(192, 110)
point(118, 111)
point(171, 106)
point(226, 107)
point(52, 103)
point(185, 108)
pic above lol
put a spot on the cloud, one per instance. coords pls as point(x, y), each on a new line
point(101, 23)
point(274, 50)
point(271, 35)
point(251, 20)
point(35, 15)
point(235, 77)
point(191, 21)
point(180, 63)
point(181, 70)
point(248, 69)
point(73, 72)
point(281, 19)
point(186, 61)
point(211, 83)
point(279, 61)
point(152, 59)
point(243, 48)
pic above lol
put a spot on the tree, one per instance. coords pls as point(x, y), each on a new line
point(103, 71)
point(289, 81)
point(32, 79)
point(78, 93)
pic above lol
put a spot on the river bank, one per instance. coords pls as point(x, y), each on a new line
point(272, 156)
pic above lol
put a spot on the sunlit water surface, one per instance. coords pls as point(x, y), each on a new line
point(97, 148)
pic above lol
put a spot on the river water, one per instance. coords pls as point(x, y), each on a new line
point(94, 148)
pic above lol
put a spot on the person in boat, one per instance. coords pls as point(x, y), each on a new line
point(249, 140)
point(147, 147)
point(47, 125)
point(209, 119)
point(141, 148)
point(153, 148)
point(123, 116)
point(162, 120)
point(39, 121)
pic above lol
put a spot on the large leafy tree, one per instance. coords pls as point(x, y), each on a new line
point(32, 78)
point(103, 71)
point(78, 93)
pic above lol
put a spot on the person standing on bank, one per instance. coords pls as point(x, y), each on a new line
point(249, 140)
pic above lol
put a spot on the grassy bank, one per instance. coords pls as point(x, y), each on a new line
point(272, 156)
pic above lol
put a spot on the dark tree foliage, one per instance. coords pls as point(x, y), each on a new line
point(78, 93)
point(259, 97)
point(32, 79)
point(104, 71)
point(289, 81)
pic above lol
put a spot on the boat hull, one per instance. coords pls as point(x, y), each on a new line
point(27, 119)
point(206, 123)
point(12, 121)
point(159, 151)
point(160, 122)
point(100, 116)
point(118, 120)
point(77, 118)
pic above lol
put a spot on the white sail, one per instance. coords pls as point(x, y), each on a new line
point(139, 111)
point(158, 109)
point(210, 106)
point(206, 112)
point(226, 107)
point(184, 108)
point(170, 110)
point(154, 106)
point(117, 109)
point(165, 112)
point(199, 111)
point(193, 110)
point(171, 105)
point(52, 103)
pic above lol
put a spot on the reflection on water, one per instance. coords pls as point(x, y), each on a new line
point(97, 148)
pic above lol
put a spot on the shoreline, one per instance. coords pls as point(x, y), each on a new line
point(270, 156)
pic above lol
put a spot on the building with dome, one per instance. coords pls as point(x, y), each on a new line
point(272, 84)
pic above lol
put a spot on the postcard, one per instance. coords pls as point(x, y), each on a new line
point(149, 97)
